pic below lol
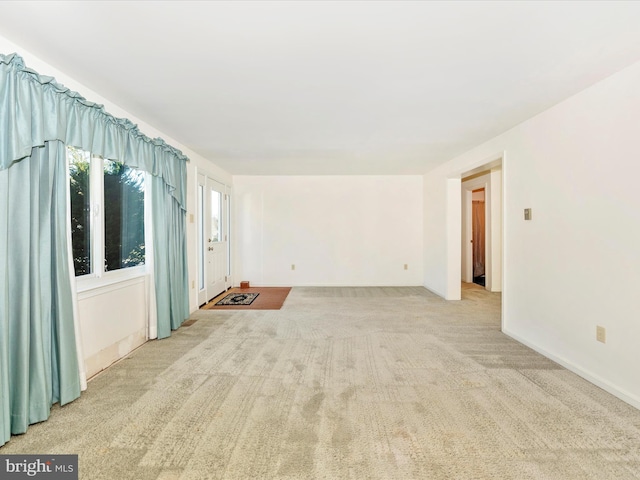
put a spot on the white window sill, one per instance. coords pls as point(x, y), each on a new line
point(90, 283)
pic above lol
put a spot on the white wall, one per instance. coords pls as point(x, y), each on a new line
point(576, 264)
point(495, 234)
point(121, 311)
point(441, 196)
point(114, 322)
point(336, 230)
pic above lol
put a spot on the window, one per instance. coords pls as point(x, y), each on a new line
point(107, 214)
point(216, 215)
point(80, 188)
point(123, 216)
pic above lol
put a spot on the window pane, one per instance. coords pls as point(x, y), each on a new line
point(201, 236)
point(228, 240)
point(123, 216)
point(79, 163)
point(216, 205)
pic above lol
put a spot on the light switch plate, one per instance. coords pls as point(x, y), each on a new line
point(601, 334)
point(527, 214)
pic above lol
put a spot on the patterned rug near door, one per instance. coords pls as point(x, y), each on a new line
point(271, 298)
point(238, 299)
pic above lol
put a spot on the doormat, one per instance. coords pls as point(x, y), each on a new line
point(271, 298)
point(238, 299)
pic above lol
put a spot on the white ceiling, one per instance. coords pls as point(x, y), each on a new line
point(366, 87)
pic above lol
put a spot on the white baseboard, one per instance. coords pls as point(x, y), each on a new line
point(623, 395)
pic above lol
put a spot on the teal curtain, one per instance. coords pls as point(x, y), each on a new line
point(39, 359)
point(38, 117)
point(170, 259)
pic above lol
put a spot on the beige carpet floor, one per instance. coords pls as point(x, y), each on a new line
point(344, 383)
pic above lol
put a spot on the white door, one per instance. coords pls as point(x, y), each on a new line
point(214, 211)
point(216, 239)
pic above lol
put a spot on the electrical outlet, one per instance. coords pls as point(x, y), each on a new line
point(601, 334)
point(293, 267)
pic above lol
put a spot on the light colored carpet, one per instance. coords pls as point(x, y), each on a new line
point(360, 383)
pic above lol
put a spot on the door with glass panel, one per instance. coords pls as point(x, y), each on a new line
point(212, 239)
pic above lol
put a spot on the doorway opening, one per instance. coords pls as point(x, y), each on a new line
point(487, 175)
point(481, 232)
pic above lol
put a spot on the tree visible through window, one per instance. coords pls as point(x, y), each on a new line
point(123, 216)
point(79, 167)
point(120, 209)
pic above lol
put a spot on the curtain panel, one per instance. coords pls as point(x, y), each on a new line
point(38, 118)
point(37, 339)
point(169, 259)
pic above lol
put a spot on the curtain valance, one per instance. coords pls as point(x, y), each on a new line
point(35, 109)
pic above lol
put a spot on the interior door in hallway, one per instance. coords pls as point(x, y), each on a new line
point(478, 210)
